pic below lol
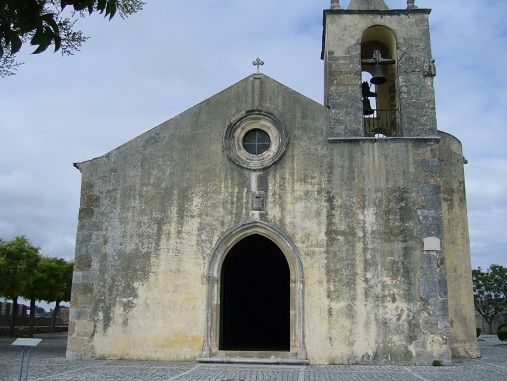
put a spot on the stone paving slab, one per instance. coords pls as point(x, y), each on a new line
point(48, 363)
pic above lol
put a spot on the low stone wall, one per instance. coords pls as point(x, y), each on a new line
point(23, 330)
point(25, 321)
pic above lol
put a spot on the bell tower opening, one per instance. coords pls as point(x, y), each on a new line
point(378, 49)
point(255, 297)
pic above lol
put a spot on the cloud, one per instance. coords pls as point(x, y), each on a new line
point(134, 74)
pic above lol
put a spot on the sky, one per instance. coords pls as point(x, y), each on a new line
point(134, 74)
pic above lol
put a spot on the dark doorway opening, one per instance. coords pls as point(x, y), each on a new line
point(255, 297)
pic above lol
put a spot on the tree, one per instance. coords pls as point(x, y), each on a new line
point(19, 259)
point(490, 292)
point(45, 23)
point(31, 291)
point(40, 284)
point(3, 262)
point(56, 284)
point(65, 289)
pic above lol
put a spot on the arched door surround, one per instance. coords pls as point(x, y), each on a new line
point(211, 346)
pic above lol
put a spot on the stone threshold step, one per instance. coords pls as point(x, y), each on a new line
point(250, 360)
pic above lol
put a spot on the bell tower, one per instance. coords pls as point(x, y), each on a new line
point(379, 74)
point(378, 70)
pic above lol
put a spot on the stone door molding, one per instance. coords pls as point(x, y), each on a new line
point(211, 338)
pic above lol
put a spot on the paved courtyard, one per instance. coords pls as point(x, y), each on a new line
point(48, 363)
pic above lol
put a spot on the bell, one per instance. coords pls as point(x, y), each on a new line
point(378, 77)
point(367, 110)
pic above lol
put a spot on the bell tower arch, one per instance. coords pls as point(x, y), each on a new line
point(378, 58)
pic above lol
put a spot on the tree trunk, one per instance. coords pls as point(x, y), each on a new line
point(31, 323)
point(55, 313)
point(14, 315)
point(490, 325)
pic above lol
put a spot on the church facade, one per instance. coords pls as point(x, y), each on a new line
point(260, 225)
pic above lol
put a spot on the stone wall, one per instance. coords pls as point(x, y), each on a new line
point(386, 288)
point(153, 210)
point(25, 321)
point(365, 216)
point(457, 249)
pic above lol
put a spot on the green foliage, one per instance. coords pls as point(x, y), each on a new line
point(55, 281)
point(68, 272)
point(3, 261)
point(45, 23)
point(478, 331)
point(490, 292)
point(19, 260)
point(24, 272)
point(502, 332)
point(436, 363)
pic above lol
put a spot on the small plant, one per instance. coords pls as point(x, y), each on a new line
point(478, 331)
point(502, 332)
point(436, 363)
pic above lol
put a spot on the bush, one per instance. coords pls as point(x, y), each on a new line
point(478, 331)
point(436, 363)
point(502, 332)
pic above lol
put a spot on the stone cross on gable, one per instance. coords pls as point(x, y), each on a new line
point(258, 62)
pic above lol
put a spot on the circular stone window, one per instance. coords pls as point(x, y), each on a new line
point(256, 140)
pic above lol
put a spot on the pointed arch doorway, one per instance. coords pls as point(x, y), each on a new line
point(255, 297)
point(254, 303)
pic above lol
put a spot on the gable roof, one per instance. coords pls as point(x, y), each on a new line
point(242, 89)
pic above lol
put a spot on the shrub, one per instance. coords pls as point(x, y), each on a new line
point(436, 363)
point(502, 332)
point(478, 331)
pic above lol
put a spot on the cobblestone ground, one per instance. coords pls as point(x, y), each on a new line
point(48, 363)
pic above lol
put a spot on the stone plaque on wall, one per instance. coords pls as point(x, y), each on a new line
point(258, 201)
